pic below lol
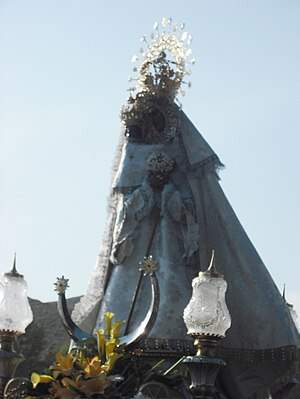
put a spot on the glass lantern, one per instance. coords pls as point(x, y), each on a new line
point(15, 310)
point(207, 313)
point(207, 319)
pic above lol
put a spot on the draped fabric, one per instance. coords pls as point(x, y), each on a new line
point(194, 217)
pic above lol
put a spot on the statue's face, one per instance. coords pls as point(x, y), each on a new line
point(152, 131)
point(133, 168)
point(149, 130)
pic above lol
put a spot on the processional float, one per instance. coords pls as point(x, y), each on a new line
point(167, 216)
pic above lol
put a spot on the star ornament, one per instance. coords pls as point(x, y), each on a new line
point(61, 284)
point(148, 265)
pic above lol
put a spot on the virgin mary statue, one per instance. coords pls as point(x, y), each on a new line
point(166, 201)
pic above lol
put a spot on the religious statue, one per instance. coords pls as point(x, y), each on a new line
point(166, 201)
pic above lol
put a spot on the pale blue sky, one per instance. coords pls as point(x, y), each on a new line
point(63, 77)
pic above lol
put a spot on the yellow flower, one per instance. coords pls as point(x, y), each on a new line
point(116, 329)
point(108, 316)
point(110, 346)
point(37, 379)
point(94, 368)
point(63, 364)
point(101, 343)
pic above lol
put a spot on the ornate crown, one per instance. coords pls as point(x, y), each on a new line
point(159, 76)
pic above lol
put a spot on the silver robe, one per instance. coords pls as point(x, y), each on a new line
point(194, 218)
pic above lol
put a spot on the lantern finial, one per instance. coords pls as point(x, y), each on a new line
point(14, 269)
point(212, 270)
point(14, 272)
point(212, 266)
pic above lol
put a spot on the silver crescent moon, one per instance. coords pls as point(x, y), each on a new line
point(126, 341)
point(129, 340)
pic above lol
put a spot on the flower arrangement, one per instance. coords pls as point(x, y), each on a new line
point(85, 371)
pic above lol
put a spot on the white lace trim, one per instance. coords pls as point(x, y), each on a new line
point(97, 280)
